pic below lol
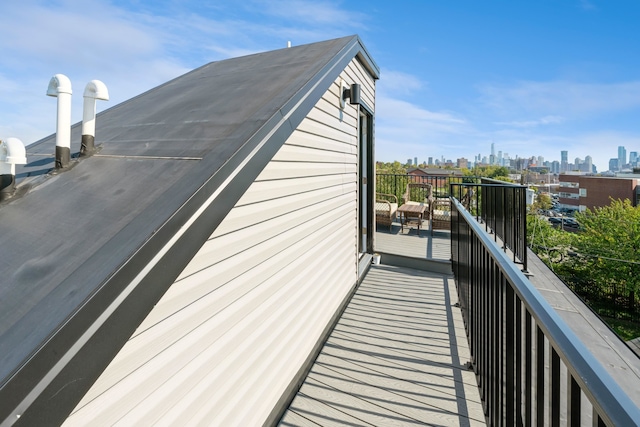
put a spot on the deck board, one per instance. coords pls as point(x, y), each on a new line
point(396, 357)
point(436, 246)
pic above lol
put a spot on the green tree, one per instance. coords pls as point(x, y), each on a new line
point(494, 172)
point(551, 244)
point(610, 245)
point(391, 168)
point(542, 202)
point(600, 262)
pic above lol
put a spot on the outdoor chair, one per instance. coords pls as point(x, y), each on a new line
point(386, 209)
point(441, 215)
point(419, 194)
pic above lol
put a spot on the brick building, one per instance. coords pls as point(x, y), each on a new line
point(585, 191)
point(434, 172)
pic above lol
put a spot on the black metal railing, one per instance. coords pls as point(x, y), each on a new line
point(502, 208)
point(396, 184)
point(518, 343)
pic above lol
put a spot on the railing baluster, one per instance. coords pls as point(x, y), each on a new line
point(518, 360)
point(539, 383)
point(511, 343)
point(528, 375)
point(573, 402)
point(554, 389)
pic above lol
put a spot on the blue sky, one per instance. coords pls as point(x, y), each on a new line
point(533, 77)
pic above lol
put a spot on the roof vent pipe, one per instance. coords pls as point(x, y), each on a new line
point(12, 153)
point(60, 87)
point(95, 89)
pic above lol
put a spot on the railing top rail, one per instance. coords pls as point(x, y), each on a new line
point(497, 181)
point(612, 403)
point(498, 184)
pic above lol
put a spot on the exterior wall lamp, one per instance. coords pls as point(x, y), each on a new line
point(352, 93)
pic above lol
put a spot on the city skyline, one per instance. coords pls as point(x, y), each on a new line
point(530, 76)
point(565, 161)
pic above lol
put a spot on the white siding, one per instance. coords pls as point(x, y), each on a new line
point(227, 338)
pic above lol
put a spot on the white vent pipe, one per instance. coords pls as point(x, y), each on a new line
point(60, 87)
point(12, 153)
point(94, 90)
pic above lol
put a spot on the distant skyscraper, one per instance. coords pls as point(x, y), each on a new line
point(588, 164)
point(430, 160)
point(622, 157)
point(613, 164)
point(415, 161)
point(409, 161)
point(633, 158)
point(564, 161)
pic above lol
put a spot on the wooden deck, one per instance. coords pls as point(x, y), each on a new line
point(395, 358)
point(411, 244)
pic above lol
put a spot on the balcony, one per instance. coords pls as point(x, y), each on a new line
point(466, 327)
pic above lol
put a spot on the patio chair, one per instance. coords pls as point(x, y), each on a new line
point(441, 215)
point(386, 209)
point(418, 193)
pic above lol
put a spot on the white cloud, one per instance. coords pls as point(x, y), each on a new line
point(318, 14)
point(92, 34)
point(394, 83)
point(543, 121)
point(83, 40)
point(405, 130)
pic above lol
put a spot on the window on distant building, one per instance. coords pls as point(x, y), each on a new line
point(569, 184)
point(583, 192)
point(568, 195)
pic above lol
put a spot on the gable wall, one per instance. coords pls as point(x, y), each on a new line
point(228, 337)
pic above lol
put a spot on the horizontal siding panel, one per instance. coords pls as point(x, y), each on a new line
point(261, 262)
point(330, 106)
point(186, 358)
point(317, 128)
point(268, 325)
point(269, 190)
point(347, 125)
point(355, 72)
point(223, 363)
point(245, 215)
point(293, 153)
point(234, 243)
point(284, 170)
point(309, 140)
point(262, 382)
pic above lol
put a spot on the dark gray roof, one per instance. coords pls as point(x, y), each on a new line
point(172, 162)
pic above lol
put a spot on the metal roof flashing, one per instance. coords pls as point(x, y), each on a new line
point(99, 244)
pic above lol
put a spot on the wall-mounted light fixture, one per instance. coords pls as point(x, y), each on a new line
point(352, 93)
